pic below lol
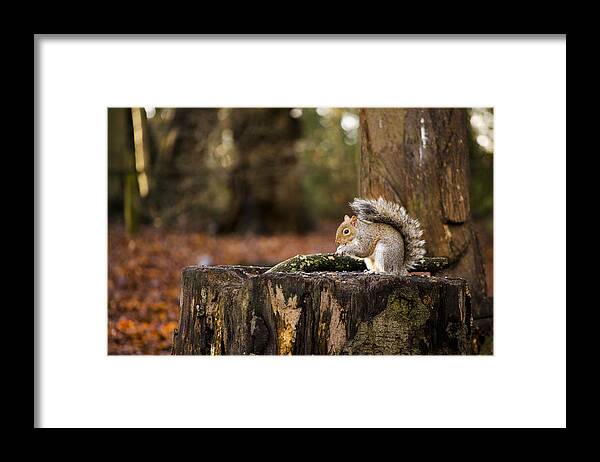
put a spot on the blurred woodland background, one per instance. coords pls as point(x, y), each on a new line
point(199, 186)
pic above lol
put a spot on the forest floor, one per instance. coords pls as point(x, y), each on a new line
point(144, 275)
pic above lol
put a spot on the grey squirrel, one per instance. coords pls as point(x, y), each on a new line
point(383, 234)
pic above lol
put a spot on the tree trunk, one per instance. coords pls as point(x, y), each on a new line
point(265, 180)
point(121, 156)
point(236, 310)
point(186, 186)
point(420, 159)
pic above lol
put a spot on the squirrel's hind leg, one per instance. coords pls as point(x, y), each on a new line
point(370, 262)
point(379, 258)
point(388, 258)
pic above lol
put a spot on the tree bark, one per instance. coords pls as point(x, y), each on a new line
point(236, 310)
point(420, 159)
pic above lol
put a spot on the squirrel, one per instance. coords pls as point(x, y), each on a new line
point(383, 234)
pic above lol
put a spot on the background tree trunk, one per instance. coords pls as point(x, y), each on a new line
point(420, 159)
point(265, 180)
point(246, 310)
point(123, 176)
point(185, 187)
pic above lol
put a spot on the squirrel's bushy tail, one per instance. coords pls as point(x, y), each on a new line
point(382, 211)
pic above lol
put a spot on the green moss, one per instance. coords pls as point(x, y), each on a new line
point(319, 262)
point(398, 329)
point(334, 262)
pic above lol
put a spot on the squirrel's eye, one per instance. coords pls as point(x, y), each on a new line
point(346, 231)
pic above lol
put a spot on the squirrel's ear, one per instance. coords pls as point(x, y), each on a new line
point(346, 217)
point(354, 221)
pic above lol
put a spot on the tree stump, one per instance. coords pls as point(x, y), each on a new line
point(241, 310)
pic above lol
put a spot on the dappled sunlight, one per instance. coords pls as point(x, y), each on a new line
point(482, 121)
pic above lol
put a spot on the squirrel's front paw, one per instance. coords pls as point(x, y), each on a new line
point(368, 271)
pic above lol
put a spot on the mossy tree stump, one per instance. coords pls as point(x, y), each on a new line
point(241, 310)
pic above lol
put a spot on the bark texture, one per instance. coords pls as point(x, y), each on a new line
point(235, 310)
point(420, 159)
